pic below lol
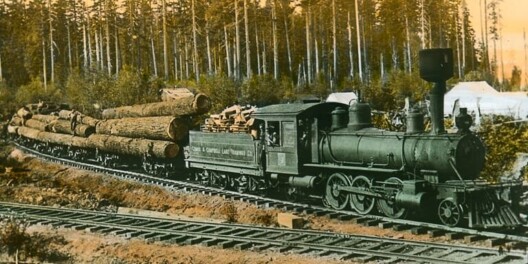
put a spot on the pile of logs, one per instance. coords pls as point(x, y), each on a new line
point(149, 129)
point(235, 119)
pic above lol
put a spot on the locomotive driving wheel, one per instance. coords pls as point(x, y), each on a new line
point(334, 197)
point(363, 204)
point(388, 206)
point(449, 212)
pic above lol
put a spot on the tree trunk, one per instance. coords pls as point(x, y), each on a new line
point(24, 113)
point(236, 65)
point(16, 121)
point(36, 124)
point(288, 47)
point(198, 104)
point(161, 128)
point(334, 42)
point(308, 51)
point(80, 118)
point(275, 41)
point(360, 64)
point(195, 42)
point(108, 55)
point(70, 64)
point(52, 54)
point(12, 129)
point(165, 55)
point(248, 50)
point(134, 146)
point(45, 118)
point(65, 127)
point(175, 94)
point(154, 63)
point(54, 138)
point(350, 52)
point(228, 56)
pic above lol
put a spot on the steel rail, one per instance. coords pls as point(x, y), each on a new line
point(320, 243)
point(416, 227)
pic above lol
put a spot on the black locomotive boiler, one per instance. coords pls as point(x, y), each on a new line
point(332, 151)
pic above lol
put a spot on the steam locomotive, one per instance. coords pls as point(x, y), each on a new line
point(332, 152)
point(324, 150)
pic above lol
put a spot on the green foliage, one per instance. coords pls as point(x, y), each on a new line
point(132, 87)
point(503, 139)
point(90, 93)
point(262, 90)
point(7, 102)
point(221, 90)
point(35, 91)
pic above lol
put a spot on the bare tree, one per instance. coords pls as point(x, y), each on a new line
point(248, 49)
point(164, 27)
point(360, 67)
point(275, 42)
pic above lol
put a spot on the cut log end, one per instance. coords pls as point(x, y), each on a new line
point(201, 103)
point(172, 150)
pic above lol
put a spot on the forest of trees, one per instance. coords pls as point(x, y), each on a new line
point(104, 53)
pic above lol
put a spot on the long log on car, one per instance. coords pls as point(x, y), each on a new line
point(33, 123)
point(45, 118)
point(198, 104)
point(134, 146)
point(80, 118)
point(158, 127)
point(55, 138)
point(16, 121)
point(12, 129)
point(65, 127)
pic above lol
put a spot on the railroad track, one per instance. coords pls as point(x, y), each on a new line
point(243, 237)
point(517, 239)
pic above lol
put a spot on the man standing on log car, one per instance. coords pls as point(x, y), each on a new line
point(73, 120)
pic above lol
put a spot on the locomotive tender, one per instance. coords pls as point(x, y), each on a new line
point(322, 149)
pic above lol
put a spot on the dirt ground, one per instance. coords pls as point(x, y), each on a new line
point(35, 182)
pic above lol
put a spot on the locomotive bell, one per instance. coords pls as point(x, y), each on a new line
point(463, 121)
point(359, 116)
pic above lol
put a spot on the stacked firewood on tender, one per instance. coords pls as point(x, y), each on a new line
point(235, 119)
point(147, 129)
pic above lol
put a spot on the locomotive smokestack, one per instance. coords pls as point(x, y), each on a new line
point(436, 65)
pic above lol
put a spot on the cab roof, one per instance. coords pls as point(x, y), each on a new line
point(296, 109)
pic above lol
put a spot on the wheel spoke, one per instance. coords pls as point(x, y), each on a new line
point(388, 205)
point(363, 204)
point(449, 212)
point(334, 197)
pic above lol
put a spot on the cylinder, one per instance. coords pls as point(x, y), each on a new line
point(303, 181)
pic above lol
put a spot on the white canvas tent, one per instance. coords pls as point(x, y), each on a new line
point(345, 98)
point(475, 95)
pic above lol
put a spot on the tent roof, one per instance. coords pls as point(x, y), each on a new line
point(489, 100)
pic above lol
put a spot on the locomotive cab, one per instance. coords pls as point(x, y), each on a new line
point(291, 135)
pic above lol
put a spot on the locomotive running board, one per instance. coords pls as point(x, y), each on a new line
point(502, 217)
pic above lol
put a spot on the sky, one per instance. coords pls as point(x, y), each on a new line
point(514, 24)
